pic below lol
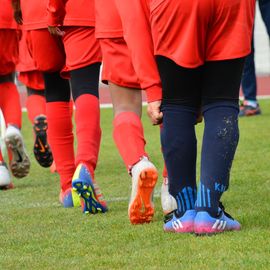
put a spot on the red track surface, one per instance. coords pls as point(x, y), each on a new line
point(263, 90)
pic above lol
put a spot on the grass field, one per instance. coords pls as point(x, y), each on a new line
point(37, 233)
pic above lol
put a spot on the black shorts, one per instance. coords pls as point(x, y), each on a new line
point(195, 87)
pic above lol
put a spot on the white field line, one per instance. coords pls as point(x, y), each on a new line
point(23, 205)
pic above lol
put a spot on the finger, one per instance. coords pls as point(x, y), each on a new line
point(60, 32)
point(156, 118)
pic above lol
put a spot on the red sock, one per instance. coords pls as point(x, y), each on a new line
point(129, 137)
point(35, 105)
point(60, 138)
point(87, 118)
point(10, 104)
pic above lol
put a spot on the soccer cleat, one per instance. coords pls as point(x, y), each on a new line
point(5, 179)
point(247, 110)
point(69, 198)
point(144, 178)
point(204, 224)
point(168, 202)
point(86, 187)
point(42, 149)
point(176, 224)
point(19, 163)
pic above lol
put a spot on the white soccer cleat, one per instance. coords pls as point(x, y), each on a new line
point(20, 163)
point(144, 178)
point(168, 202)
point(5, 179)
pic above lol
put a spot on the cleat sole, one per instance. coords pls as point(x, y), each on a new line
point(141, 209)
point(20, 162)
point(42, 151)
point(86, 192)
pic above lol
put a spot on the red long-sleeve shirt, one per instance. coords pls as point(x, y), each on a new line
point(108, 21)
point(71, 13)
point(38, 13)
point(6, 15)
point(135, 16)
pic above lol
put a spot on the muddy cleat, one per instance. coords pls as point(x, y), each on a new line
point(168, 202)
point(180, 224)
point(91, 197)
point(69, 198)
point(20, 163)
point(204, 224)
point(144, 178)
point(42, 149)
point(5, 179)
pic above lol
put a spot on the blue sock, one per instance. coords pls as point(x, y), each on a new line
point(220, 139)
point(179, 146)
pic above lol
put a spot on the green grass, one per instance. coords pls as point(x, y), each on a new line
point(37, 233)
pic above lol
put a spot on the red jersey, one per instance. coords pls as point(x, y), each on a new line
point(37, 13)
point(71, 13)
point(6, 15)
point(192, 32)
point(135, 17)
point(108, 21)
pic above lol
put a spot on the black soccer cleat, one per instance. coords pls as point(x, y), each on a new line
point(42, 150)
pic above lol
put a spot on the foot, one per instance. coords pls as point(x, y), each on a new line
point(87, 188)
point(248, 109)
point(180, 224)
point(204, 224)
point(69, 198)
point(168, 202)
point(42, 149)
point(20, 163)
point(5, 179)
point(144, 178)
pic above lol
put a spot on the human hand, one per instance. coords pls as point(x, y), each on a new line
point(154, 113)
point(56, 31)
point(17, 12)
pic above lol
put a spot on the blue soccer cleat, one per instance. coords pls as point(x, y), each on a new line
point(183, 224)
point(206, 224)
point(86, 187)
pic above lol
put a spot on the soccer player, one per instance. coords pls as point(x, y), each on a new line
point(200, 48)
point(76, 53)
point(125, 90)
point(9, 98)
point(35, 103)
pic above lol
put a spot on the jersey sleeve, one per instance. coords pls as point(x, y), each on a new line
point(137, 34)
point(56, 12)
